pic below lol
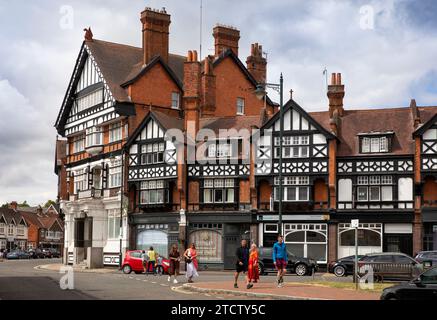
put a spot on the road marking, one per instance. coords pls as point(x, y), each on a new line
point(208, 295)
point(164, 285)
point(220, 298)
point(146, 280)
point(153, 282)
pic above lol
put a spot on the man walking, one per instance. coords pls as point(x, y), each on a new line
point(242, 255)
point(280, 259)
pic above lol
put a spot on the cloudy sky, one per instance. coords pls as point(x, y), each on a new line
point(385, 49)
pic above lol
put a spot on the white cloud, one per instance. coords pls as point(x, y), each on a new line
point(385, 66)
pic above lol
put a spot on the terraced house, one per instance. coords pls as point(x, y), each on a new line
point(160, 148)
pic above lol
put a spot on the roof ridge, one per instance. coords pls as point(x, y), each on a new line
point(116, 43)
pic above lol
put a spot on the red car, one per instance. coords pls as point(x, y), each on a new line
point(133, 262)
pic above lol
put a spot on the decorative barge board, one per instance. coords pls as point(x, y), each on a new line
point(305, 171)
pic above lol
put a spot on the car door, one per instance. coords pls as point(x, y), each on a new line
point(136, 262)
point(429, 282)
point(267, 259)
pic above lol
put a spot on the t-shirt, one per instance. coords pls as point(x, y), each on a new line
point(145, 257)
point(152, 255)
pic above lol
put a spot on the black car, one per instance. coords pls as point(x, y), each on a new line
point(343, 267)
point(428, 258)
point(389, 266)
point(54, 253)
point(299, 265)
point(422, 288)
point(36, 254)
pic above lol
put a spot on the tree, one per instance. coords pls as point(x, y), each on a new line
point(24, 204)
point(49, 203)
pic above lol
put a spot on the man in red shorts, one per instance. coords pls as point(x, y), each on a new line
point(280, 259)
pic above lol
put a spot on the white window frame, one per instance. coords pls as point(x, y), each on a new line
point(241, 104)
point(94, 137)
point(79, 143)
point(11, 229)
point(2, 228)
point(270, 225)
point(155, 188)
point(113, 223)
point(297, 183)
point(90, 100)
point(115, 177)
point(226, 186)
point(80, 181)
point(175, 100)
point(115, 132)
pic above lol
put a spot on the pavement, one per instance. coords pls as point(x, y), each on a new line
point(40, 279)
point(290, 291)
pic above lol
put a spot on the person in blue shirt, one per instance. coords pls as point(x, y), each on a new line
point(280, 259)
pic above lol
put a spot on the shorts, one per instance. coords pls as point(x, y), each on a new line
point(145, 264)
point(240, 268)
point(281, 264)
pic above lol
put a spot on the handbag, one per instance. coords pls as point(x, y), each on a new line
point(188, 260)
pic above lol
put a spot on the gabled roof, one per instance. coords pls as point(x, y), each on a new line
point(428, 117)
point(10, 215)
point(229, 53)
point(165, 121)
point(119, 64)
point(353, 122)
point(32, 219)
point(139, 70)
point(291, 104)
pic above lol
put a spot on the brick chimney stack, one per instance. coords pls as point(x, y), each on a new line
point(208, 88)
point(257, 64)
point(192, 70)
point(225, 37)
point(156, 30)
point(13, 205)
point(335, 95)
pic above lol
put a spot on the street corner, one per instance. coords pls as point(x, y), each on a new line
point(58, 267)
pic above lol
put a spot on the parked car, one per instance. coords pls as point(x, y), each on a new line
point(47, 253)
point(133, 262)
point(17, 254)
point(299, 265)
point(36, 254)
point(390, 266)
point(55, 253)
point(423, 287)
point(428, 258)
point(344, 266)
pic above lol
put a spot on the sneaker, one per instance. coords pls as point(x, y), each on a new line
point(235, 286)
point(169, 279)
point(249, 286)
point(175, 281)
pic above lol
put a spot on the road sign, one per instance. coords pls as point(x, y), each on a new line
point(355, 223)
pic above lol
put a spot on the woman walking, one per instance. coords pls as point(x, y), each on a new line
point(175, 259)
point(253, 270)
point(192, 264)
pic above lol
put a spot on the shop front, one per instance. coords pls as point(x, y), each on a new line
point(217, 236)
point(305, 235)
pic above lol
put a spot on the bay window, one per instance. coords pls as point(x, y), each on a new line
point(152, 153)
point(218, 191)
point(10, 230)
point(79, 143)
point(2, 228)
point(20, 230)
point(115, 132)
point(153, 192)
point(93, 137)
point(293, 189)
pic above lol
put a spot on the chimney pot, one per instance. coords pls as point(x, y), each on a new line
point(195, 56)
point(190, 56)
point(14, 205)
point(257, 64)
point(339, 78)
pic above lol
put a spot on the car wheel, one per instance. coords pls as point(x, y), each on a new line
point(127, 269)
point(301, 269)
point(340, 271)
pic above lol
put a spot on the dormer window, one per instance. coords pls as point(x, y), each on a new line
point(375, 143)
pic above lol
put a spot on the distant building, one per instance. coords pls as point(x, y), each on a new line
point(13, 229)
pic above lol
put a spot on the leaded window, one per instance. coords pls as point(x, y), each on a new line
point(294, 189)
point(219, 191)
point(152, 153)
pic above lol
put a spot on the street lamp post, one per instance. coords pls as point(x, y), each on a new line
point(261, 93)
